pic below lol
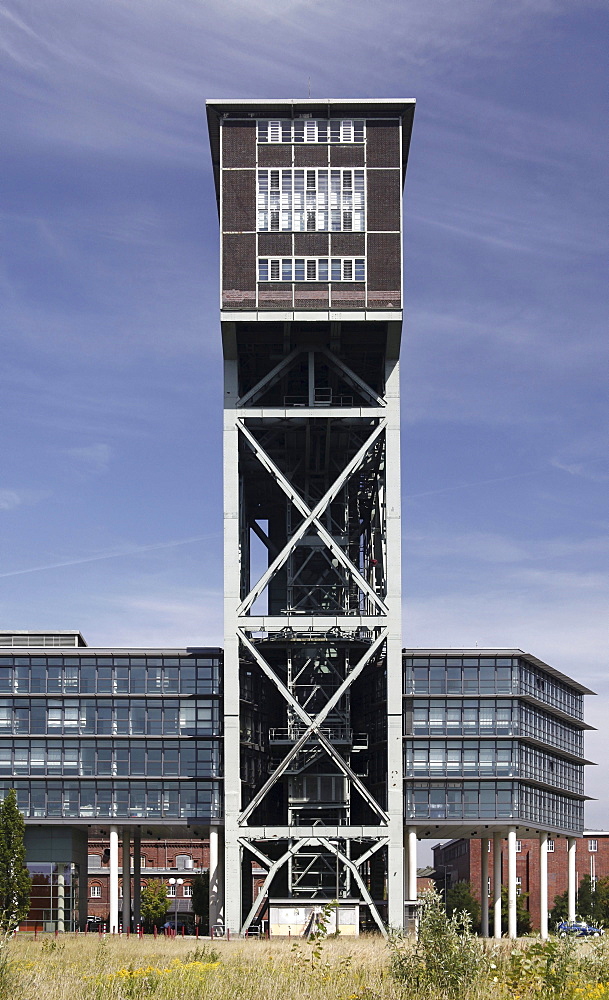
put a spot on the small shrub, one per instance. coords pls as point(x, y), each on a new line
point(202, 953)
point(447, 959)
point(545, 969)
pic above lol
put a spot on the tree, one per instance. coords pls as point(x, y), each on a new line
point(200, 900)
point(560, 910)
point(154, 905)
point(15, 881)
point(460, 898)
point(592, 902)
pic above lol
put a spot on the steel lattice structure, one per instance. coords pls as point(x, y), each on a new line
point(313, 668)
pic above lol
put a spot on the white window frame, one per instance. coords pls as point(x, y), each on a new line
point(274, 131)
point(95, 892)
point(593, 846)
point(518, 846)
point(550, 846)
point(518, 885)
point(171, 891)
point(187, 890)
point(289, 269)
point(311, 200)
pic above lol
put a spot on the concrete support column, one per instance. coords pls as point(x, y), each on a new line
point(113, 880)
point(572, 888)
point(61, 899)
point(484, 845)
point(137, 877)
point(497, 885)
point(126, 915)
point(512, 882)
point(215, 891)
point(543, 885)
point(411, 841)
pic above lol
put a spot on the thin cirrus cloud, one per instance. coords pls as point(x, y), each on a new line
point(125, 552)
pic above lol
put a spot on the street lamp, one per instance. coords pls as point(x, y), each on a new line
point(175, 882)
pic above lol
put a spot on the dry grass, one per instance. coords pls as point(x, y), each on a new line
point(79, 967)
point(89, 968)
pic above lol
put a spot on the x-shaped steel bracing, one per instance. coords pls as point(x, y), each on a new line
point(313, 727)
point(311, 518)
point(352, 864)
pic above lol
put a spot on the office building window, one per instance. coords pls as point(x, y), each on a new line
point(171, 890)
point(96, 891)
point(187, 891)
point(593, 845)
point(550, 846)
point(518, 846)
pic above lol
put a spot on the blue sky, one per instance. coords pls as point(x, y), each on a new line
point(110, 472)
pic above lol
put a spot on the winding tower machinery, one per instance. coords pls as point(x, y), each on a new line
point(310, 195)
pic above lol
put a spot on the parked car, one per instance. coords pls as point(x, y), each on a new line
point(578, 928)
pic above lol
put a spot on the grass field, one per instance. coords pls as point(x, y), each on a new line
point(89, 968)
point(79, 967)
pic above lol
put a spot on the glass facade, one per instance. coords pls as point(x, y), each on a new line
point(119, 800)
point(130, 735)
point(155, 719)
point(493, 800)
point(493, 758)
point(476, 722)
point(54, 897)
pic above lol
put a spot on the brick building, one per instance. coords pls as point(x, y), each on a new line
point(181, 860)
point(460, 861)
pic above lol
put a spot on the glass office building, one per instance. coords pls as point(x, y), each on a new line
point(96, 738)
point(494, 736)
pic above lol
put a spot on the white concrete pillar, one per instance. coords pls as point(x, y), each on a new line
point(137, 877)
point(484, 845)
point(126, 914)
point(512, 882)
point(215, 903)
point(411, 840)
point(113, 886)
point(571, 886)
point(61, 899)
point(543, 885)
point(497, 885)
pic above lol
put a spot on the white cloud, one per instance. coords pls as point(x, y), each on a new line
point(176, 617)
point(9, 499)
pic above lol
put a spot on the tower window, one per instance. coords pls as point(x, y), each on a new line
point(311, 269)
point(311, 130)
point(311, 200)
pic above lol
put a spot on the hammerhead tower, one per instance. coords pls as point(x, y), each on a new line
point(309, 196)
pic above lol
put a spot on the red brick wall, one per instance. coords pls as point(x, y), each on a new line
point(159, 855)
point(466, 866)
